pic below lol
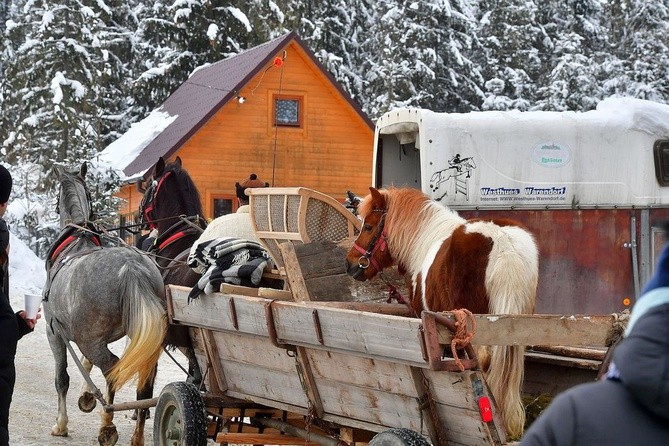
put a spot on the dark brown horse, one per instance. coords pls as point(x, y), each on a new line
point(171, 204)
point(487, 267)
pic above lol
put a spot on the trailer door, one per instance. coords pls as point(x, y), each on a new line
point(398, 159)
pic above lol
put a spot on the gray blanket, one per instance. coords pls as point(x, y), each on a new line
point(228, 260)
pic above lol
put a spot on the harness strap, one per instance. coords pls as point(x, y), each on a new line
point(65, 243)
point(67, 240)
point(149, 208)
point(171, 239)
point(174, 233)
point(62, 246)
point(57, 328)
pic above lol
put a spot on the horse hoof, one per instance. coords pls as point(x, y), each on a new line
point(108, 436)
point(87, 402)
point(58, 432)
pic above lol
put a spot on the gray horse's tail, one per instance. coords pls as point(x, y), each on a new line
point(145, 320)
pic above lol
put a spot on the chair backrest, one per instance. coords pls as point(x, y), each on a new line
point(298, 215)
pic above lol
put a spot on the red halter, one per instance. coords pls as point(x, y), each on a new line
point(378, 242)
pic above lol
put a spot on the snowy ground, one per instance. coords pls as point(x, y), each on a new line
point(33, 411)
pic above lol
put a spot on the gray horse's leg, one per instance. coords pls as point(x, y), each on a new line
point(99, 354)
point(107, 435)
point(87, 400)
point(62, 382)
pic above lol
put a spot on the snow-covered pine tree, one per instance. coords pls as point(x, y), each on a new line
point(59, 84)
point(639, 36)
point(570, 79)
point(115, 76)
point(267, 20)
point(510, 63)
point(421, 55)
point(175, 38)
point(62, 91)
point(334, 31)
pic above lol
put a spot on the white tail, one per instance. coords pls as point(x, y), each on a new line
point(145, 319)
point(511, 283)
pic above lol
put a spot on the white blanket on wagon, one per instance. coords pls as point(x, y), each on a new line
point(227, 260)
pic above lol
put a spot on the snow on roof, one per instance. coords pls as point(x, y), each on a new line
point(619, 114)
point(124, 150)
point(646, 116)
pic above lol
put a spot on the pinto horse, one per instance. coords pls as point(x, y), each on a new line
point(95, 296)
point(485, 266)
point(171, 205)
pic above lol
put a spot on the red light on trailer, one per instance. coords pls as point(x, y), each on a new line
point(485, 409)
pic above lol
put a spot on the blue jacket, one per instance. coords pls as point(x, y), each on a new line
point(630, 410)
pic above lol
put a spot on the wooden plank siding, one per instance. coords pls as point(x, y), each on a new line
point(331, 152)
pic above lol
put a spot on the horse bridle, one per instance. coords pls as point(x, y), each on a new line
point(147, 204)
point(378, 242)
point(174, 232)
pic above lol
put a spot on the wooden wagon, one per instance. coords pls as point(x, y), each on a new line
point(321, 363)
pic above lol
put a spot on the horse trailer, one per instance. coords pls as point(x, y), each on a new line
point(593, 187)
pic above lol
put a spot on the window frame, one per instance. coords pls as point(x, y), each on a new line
point(222, 196)
point(300, 110)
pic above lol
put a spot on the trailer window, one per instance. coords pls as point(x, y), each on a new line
point(661, 154)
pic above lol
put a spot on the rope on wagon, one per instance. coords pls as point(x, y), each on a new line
point(462, 336)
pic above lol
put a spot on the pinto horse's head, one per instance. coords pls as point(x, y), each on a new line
point(369, 254)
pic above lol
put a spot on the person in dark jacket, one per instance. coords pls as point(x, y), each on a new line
point(630, 406)
point(12, 325)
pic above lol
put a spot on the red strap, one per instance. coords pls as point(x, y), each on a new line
point(62, 246)
point(147, 212)
point(174, 237)
point(95, 239)
point(151, 224)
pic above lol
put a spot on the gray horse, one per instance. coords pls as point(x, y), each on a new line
point(94, 297)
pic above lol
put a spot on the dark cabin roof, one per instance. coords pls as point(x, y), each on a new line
point(209, 89)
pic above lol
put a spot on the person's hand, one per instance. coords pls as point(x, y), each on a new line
point(31, 322)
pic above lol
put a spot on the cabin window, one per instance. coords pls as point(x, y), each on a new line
point(223, 204)
point(661, 154)
point(288, 111)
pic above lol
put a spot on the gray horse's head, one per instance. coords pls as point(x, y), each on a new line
point(74, 205)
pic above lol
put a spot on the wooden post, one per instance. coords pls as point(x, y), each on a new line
point(294, 272)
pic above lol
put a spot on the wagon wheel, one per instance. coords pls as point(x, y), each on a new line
point(180, 417)
point(398, 437)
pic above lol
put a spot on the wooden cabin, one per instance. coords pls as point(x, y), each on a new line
point(272, 110)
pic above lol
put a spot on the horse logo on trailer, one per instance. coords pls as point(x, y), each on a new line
point(460, 170)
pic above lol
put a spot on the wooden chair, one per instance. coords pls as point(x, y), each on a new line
point(298, 215)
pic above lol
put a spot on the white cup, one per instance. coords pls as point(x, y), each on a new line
point(32, 303)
